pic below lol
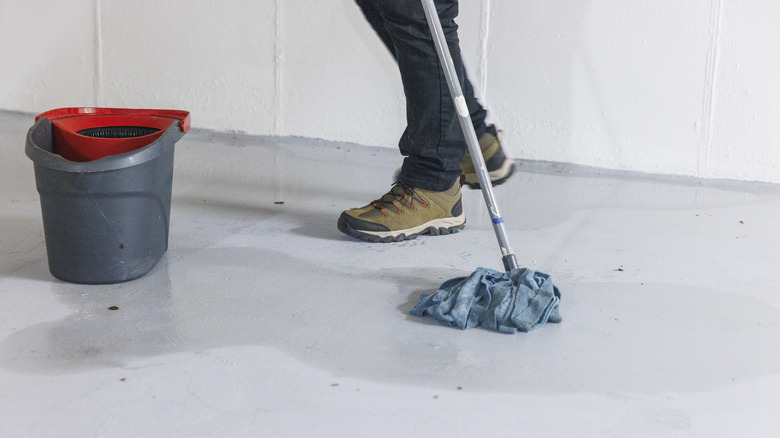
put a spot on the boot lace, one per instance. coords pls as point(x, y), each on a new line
point(400, 194)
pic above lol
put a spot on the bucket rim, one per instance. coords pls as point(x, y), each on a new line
point(50, 160)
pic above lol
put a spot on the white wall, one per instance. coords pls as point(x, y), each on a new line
point(663, 86)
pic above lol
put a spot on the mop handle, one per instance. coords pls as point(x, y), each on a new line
point(432, 16)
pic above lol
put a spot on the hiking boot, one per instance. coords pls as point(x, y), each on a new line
point(499, 167)
point(405, 213)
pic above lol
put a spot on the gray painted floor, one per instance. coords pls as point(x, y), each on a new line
point(264, 320)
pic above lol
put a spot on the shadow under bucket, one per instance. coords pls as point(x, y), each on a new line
point(105, 176)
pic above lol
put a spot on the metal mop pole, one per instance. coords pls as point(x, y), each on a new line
point(510, 262)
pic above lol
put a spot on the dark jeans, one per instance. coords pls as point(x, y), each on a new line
point(433, 142)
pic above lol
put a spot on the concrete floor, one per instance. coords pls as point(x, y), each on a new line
point(264, 320)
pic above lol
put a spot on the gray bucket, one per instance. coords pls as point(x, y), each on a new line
point(105, 220)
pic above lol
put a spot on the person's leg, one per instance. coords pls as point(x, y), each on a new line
point(498, 166)
point(427, 197)
point(373, 16)
point(432, 142)
point(477, 112)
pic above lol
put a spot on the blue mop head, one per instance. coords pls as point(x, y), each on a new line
point(522, 299)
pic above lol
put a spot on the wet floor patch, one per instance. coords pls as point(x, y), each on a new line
point(616, 338)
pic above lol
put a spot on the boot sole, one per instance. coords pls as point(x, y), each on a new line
point(497, 177)
point(436, 227)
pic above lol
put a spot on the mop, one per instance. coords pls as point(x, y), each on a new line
point(519, 299)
